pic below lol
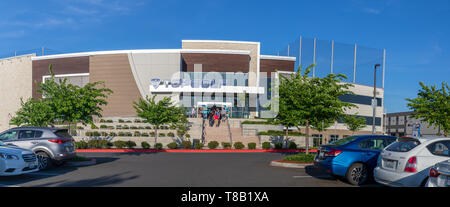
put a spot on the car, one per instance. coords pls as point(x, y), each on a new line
point(353, 157)
point(16, 161)
point(52, 146)
point(439, 175)
point(406, 162)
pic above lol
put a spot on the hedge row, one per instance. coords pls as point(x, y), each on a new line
point(129, 134)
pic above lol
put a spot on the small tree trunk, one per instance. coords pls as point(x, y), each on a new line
point(156, 134)
point(69, 129)
point(307, 137)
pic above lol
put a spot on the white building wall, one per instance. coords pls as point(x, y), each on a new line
point(16, 83)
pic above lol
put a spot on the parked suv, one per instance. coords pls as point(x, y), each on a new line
point(52, 146)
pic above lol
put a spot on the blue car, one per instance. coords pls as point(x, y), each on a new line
point(353, 158)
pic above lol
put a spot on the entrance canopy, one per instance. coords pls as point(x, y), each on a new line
point(228, 104)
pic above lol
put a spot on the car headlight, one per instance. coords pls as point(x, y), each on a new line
point(9, 156)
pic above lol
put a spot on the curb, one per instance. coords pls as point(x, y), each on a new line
point(187, 150)
point(82, 163)
point(280, 163)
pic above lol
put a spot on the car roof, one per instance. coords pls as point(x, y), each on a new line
point(34, 128)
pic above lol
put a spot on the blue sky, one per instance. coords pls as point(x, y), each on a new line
point(414, 33)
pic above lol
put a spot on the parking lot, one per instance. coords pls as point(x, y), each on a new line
point(164, 169)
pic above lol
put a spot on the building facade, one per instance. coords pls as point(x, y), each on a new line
point(402, 124)
point(200, 73)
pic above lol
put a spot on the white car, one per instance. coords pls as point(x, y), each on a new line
point(16, 161)
point(407, 161)
point(439, 175)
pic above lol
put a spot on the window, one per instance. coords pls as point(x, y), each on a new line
point(440, 148)
point(63, 133)
point(26, 134)
point(374, 143)
point(334, 137)
point(8, 136)
point(403, 145)
point(344, 140)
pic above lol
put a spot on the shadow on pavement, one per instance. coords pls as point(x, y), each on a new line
point(319, 174)
point(44, 174)
point(91, 182)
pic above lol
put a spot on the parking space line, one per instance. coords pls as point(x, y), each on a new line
point(2, 185)
point(308, 176)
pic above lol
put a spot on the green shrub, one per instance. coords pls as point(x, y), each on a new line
point(226, 145)
point(158, 146)
point(109, 121)
point(125, 127)
point(172, 145)
point(145, 145)
point(130, 144)
point(102, 121)
point(128, 134)
point(292, 145)
point(140, 127)
point(186, 144)
point(137, 121)
point(121, 134)
point(301, 157)
point(96, 134)
point(81, 145)
point(198, 145)
point(148, 127)
point(251, 145)
point(104, 134)
point(266, 145)
point(172, 127)
point(93, 126)
point(213, 144)
point(137, 134)
point(187, 135)
point(118, 126)
point(112, 134)
point(88, 134)
point(145, 134)
point(121, 121)
point(110, 127)
point(98, 144)
point(120, 144)
point(129, 121)
point(162, 134)
point(133, 127)
point(80, 127)
point(238, 145)
point(278, 145)
point(103, 126)
point(170, 134)
point(152, 134)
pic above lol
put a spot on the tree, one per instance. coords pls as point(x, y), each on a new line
point(432, 105)
point(34, 113)
point(157, 113)
point(71, 103)
point(311, 101)
point(354, 123)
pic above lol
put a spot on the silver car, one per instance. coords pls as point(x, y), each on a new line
point(52, 145)
point(439, 175)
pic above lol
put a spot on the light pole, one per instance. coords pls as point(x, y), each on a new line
point(374, 102)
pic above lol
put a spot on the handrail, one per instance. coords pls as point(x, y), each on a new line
point(203, 131)
point(229, 132)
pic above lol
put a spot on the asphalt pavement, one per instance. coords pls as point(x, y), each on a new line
point(165, 169)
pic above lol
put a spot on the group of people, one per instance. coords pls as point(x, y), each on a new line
point(215, 115)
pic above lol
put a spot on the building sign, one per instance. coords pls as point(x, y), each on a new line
point(200, 85)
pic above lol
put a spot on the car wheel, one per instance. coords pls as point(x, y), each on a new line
point(44, 161)
point(357, 174)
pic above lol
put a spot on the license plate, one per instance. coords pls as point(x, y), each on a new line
point(390, 164)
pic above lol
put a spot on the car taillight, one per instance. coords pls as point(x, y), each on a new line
point(411, 165)
point(59, 141)
point(333, 153)
point(433, 173)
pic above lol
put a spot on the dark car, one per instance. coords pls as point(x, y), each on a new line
point(353, 158)
point(52, 145)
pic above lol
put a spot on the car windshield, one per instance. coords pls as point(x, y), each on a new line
point(343, 141)
point(63, 133)
point(403, 145)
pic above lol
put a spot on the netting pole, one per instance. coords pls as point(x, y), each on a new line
point(314, 59)
point(300, 53)
point(288, 50)
point(354, 66)
point(332, 54)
